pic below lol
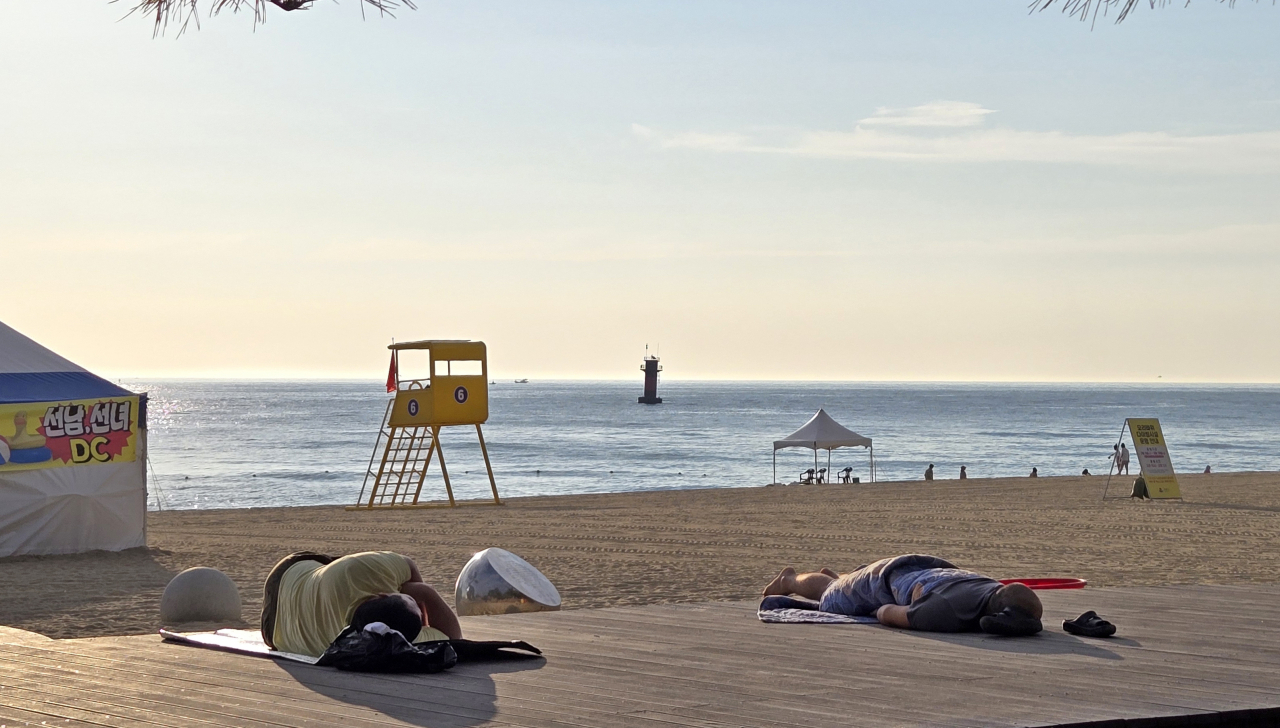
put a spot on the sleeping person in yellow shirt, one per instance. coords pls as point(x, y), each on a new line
point(310, 598)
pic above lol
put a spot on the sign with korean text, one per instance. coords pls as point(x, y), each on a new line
point(60, 434)
point(1153, 458)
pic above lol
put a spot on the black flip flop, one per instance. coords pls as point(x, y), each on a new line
point(1089, 624)
point(1010, 622)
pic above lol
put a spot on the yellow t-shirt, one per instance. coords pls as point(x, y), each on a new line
point(316, 601)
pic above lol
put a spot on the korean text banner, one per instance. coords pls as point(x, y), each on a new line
point(60, 434)
point(1153, 457)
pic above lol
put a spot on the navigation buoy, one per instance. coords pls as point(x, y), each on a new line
point(650, 367)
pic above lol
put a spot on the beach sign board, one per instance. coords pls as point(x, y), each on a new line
point(36, 435)
point(1153, 458)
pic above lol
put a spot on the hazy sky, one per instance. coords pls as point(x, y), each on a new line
point(782, 190)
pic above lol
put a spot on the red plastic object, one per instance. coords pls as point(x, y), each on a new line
point(1048, 583)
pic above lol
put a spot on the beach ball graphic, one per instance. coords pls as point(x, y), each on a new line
point(4, 451)
point(460, 395)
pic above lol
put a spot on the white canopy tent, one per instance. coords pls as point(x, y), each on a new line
point(823, 433)
point(72, 455)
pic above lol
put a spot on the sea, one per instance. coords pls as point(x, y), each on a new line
point(242, 444)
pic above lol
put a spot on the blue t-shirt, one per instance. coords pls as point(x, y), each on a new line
point(903, 581)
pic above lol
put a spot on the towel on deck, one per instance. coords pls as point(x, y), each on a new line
point(795, 610)
point(250, 642)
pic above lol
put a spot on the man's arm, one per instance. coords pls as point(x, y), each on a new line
point(892, 615)
point(414, 576)
point(435, 613)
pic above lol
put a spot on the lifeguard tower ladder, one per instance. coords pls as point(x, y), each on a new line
point(410, 432)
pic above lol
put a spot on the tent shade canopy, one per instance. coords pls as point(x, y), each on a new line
point(31, 373)
point(73, 452)
point(822, 433)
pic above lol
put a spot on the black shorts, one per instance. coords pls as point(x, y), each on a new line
point(953, 606)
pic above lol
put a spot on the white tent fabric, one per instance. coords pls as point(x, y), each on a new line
point(76, 509)
point(70, 509)
point(822, 432)
point(21, 355)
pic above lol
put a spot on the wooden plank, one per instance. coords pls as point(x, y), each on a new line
point(12, 716)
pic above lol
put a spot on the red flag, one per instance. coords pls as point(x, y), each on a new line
point(393, 382)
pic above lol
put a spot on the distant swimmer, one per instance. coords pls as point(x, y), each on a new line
point(1124, 460)
point(1085, 472)
point(1034, 473)
point(928, 472)
point(1207, 471)
point(963, 475)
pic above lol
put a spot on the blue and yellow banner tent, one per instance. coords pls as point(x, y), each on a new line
point(72, 455)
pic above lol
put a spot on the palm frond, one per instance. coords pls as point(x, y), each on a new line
point(1089, 9)
point(182, 14)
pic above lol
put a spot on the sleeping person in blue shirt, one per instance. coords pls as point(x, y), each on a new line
point(915, 591)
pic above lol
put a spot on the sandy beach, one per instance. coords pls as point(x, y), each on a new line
point(693, 545)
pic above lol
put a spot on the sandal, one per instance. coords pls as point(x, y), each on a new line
point(1089, 624)
point(1010, 622)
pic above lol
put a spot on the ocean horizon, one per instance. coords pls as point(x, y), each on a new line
point(263, 443)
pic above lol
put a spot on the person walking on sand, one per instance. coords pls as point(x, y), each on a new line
point(1124, 460)
point(963, 474)
point(928, 472)
point(1114, 457)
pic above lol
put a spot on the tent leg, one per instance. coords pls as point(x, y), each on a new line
point(775, 466)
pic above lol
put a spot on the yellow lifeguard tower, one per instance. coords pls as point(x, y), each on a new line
point(410, 432)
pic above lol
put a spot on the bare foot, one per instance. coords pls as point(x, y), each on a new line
point(829, 572)
point(785, 583)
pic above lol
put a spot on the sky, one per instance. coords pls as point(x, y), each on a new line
point(907, 190)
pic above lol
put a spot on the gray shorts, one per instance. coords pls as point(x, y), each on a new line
point(953, 606)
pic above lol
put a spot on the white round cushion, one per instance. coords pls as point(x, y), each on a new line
point(200, 594)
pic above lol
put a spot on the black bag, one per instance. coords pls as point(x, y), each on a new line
point(386, 651)
point(471, 651)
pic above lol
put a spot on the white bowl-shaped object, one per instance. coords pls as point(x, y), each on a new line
point(496, 581)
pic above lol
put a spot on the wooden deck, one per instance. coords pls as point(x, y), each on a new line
point(1186, 656)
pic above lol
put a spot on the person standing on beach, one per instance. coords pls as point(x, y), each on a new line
point(1124, 460)
point(1034, 473)
point(310, 598)
point(928, 472)
point(963, 474)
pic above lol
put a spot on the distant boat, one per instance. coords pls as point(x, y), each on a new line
point(522, 381)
